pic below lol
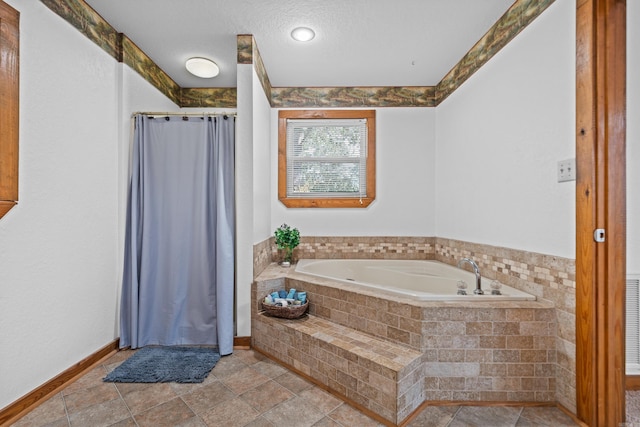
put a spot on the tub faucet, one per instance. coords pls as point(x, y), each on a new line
point(476, 270)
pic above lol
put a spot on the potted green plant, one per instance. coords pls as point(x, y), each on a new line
point(287, 239)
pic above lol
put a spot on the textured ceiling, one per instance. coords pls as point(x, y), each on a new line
point(358, 42)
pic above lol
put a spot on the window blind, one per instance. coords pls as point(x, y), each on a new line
point(326, 158)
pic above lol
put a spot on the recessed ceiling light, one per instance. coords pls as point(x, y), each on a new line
point(202, 67)
point(302, 34)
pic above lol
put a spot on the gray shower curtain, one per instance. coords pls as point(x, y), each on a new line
point(178, 282)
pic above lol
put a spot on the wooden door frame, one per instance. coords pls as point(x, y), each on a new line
point(9, 106)
point(600, 204)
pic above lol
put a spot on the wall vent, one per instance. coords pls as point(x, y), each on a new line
point(632, 343)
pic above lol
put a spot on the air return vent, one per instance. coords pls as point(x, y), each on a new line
point(633, 325)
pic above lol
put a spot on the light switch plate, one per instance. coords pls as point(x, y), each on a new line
point(567, 170)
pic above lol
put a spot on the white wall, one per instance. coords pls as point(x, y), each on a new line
point(262, 188)
point(499, 138)
point(405, 187)
point(244, 199)
point(58, 247)
point(633, 137)
point(253, 193)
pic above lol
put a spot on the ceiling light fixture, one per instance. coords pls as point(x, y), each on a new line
point(202, 67)
point(303, 34)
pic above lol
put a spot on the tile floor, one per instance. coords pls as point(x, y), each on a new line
point(244, 389)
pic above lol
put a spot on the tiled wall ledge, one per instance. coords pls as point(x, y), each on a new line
point(548, 277)
point(262, 255)
point(386, 247)
point(362, 247)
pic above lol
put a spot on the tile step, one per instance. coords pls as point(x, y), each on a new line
point(382, 376)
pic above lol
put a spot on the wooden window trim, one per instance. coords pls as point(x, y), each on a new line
point(9, 101)
point(342, 202)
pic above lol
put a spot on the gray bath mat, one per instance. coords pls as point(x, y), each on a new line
point(166, 364)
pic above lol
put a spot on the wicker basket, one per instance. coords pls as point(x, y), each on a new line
point(290, 312)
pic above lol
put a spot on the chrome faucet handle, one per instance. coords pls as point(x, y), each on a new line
point(462, 287)
point(476, 271)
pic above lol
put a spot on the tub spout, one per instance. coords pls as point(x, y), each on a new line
point(476, 270)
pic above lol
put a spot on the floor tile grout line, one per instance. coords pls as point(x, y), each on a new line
point(519, 415)
point(66, 410)
point(198, 415)
point(106, 369)
point(333, 419)
point(273, 407)
point(150, 407)
point(294, 395)
point(192, 410)
point(122, 399)
point(325, 415)
point(454, 416)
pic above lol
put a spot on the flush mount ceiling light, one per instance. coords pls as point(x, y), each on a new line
point(302, 34)
point(202, 67)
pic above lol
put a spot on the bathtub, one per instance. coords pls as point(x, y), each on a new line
point(418, 279)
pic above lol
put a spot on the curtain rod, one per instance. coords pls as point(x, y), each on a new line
point(224, 113)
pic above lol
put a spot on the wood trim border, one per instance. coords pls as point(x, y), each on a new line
point(9, 107)
point(585, 216)
point(632, 382)
point(353, 97)
point(86, 20)
point(241, 343)
point(600, 203)
point(34, 398)
point(89, 22)
point(428, 403)
point(573, 416)
point(492, 403)
point(508, 26)
point(5, 206)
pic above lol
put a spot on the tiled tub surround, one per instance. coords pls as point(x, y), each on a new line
point(424, 280)
point(390, 354)
point(547, 277)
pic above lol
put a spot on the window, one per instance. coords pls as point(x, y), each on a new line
point(326, 158)
point(9, 68)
